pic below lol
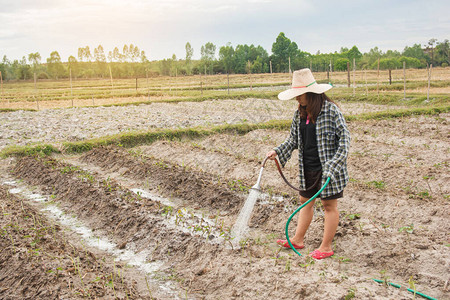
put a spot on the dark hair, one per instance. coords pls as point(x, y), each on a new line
point(314, 103)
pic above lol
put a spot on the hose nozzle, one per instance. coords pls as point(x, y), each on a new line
point(257, 185)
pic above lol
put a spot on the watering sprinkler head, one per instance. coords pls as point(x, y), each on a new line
point(257, 185)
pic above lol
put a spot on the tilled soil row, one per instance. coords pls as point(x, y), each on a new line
point(258, 269)
point(203, 269)
point(202, 189)
point(38, 261)
point(380, 229)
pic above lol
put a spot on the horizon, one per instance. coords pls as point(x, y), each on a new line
point(163, 29)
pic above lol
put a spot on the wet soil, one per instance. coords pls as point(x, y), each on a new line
point(39, 261)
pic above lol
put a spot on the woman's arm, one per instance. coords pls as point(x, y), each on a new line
point(337, 162)
point(284, 151)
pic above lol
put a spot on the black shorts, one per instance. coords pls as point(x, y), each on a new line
point(313, 180)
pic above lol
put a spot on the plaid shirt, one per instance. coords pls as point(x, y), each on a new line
point(333, 143)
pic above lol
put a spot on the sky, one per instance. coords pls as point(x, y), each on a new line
point(163, 27)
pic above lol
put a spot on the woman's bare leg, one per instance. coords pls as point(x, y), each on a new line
point(330, 224)
point(304, 219)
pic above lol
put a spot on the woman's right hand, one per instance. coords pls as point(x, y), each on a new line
point(272, 154)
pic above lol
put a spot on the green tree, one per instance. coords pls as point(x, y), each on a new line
point(341, 64)
point(431, 43)
point(354, 53)
point(189, 54)
point(411, 62)
point(99, 54)
point(208, 53)
point(35, 60)
point(388, 63)
point(21, 69)
point(442, 53)
point(226, 57)
point(100, 61)
point(54, 65)
point(282, 50)
point(72, 63)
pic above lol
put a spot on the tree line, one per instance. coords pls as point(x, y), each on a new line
point(130, 61)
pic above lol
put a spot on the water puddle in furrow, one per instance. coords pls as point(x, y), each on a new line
point(126, 255)
point(188, 221)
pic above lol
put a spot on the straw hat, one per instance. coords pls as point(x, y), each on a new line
point(303, 82)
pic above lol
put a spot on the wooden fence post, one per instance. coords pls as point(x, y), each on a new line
point(290, 65)
point(112, 84)
point(354, 71)
point(331, 75)
point(348, 74)
point(365, 78)
point(429, 82)
point(390, 77)
point(378, 78)
point(228, 80)
point(404, 80)
point(270, 62)
point(1, 82)
point(71, 91)
point(148, 87)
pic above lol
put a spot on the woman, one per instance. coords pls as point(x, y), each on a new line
point(320, 134)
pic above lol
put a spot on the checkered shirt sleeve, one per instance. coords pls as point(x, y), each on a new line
point(284, 151)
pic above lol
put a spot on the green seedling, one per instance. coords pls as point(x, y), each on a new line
point(353, 216)
point(412, 285)
point(350, 294)
point(407, 228)
point(377, 184)
point(384, 277)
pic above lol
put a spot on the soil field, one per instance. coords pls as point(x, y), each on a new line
point(153, 221)
point(170, 206)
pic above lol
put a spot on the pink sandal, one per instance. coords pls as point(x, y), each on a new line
point(316, 254)
point(285, 244)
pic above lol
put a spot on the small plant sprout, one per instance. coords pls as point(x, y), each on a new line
point(408, 228)
point(412, 285)
point(384, 277)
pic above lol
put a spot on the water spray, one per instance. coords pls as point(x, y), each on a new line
point(241, 225)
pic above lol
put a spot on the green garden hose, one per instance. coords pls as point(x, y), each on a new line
point(298, 209)
point(409, 290)
point(301, 206)
point(306, 203)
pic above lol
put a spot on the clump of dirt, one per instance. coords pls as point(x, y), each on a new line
point(39, 262)
point(192, 186)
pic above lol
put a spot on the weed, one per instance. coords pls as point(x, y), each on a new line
point(308, 262)
point(236, 185)
point(412, 285)
point(408, 228)
point(377, 184)
point(353, 216)
point(384, 277)
point(344, 259)
point(350, 294)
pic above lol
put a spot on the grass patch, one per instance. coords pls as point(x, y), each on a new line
point(132, 139)
point(400, 113)
point(19, 151)
point(15, 109)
